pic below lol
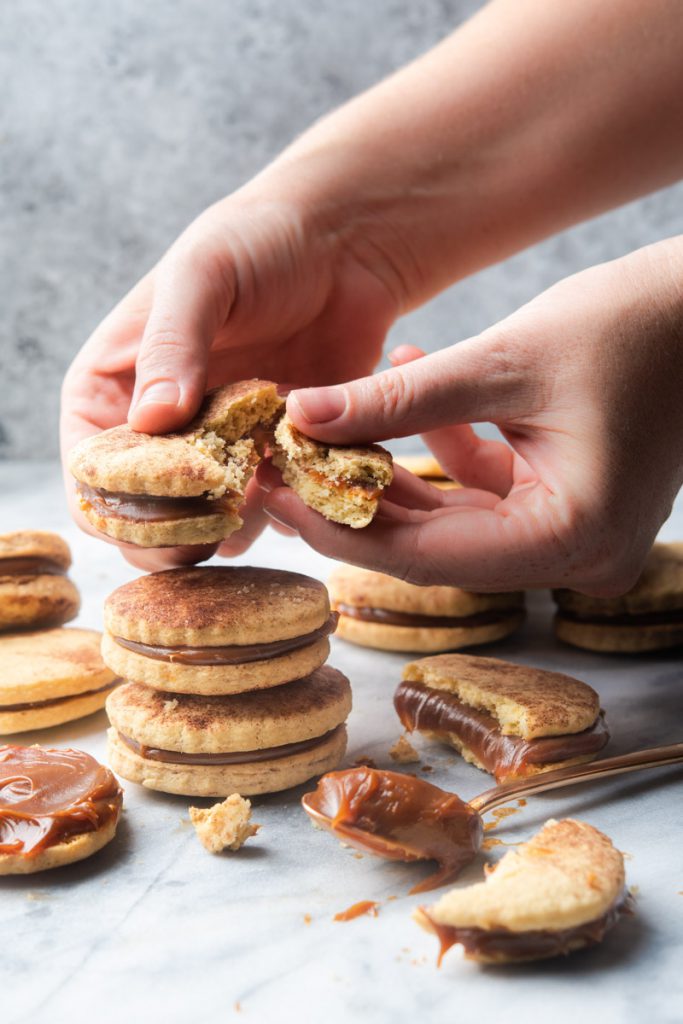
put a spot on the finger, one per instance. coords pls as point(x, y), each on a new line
point(254, 523)
point(192, 300)
point(157, 559)
point(403, 354)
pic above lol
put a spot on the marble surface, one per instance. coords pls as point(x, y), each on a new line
point(120, 122)
point(154, 928)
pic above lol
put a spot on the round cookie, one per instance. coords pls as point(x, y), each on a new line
point(216, 630)
point(56, 807)
point(50, 677)
point(649, 617)
point(259, 742)
point(381, 611)
point(34, 588)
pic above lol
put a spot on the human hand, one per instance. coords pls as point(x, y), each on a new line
point(584, 383)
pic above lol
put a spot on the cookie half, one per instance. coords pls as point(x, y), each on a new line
point(217, 629)
point(249, 743)
point(560, 892)
point(342, 483)
point(647, 618)
point(185, 488)
point(56, 807)
point(387, 613)
point(50, 677)
point(509, 720)
point(34, 588)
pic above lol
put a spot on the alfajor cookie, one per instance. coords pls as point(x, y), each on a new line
point(217, 629)
point(50, 677)
point(647, 618)
point(427, 468)
point(56, 807)
point(34, 588)
point(259, 742)
point(185, 488)
point(509, 720)
point(560, 892)
point(380, 611)
point(344, 484)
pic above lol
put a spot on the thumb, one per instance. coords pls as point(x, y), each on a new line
point(481, 379)
point(191, 303)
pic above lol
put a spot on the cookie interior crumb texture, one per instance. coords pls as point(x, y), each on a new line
point(403, 752)
point(225, 826)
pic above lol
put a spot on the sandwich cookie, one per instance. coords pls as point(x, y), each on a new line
point(380, 611)
point(509, 720)
point(647, 618)
point(217, 629)
point(34, 588)
point(259, 742)
point(185, 488)
point(427, 468)
point(56, 807)
point(50, 677)
point(344, 484)
point(560, 892)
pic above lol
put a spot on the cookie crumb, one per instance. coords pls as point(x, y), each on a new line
point(403, 752)
point(225, 826)
point(171, 705)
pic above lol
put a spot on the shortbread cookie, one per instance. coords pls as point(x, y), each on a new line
point(50, 677)
point(342, 483)
point(647, 618)
point(217, 629)
point(56, 807)
point(560, 892)
point(384, 612)
point(509, 720)
point(34, 588)
point(258, 742)
point(185, 488)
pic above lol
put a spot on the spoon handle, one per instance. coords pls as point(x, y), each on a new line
point(654, 757)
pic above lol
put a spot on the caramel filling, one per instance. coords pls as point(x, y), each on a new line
point(30, 565)
point(412, 620)
point(47, 796)
point(31, 705)
point(663, 618)
point(144, 508)
point(231, 757)
point(399, 817)
point(368, 487)
point(232, 654)
point(503, 944)
point(438, 711)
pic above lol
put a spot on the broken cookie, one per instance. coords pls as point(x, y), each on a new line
point(225, 826)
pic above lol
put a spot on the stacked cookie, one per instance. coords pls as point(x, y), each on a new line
point(50, 675)
point(227, 688)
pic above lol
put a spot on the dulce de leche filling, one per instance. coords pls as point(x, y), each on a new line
point(387, 617)
point(144, 508)
point(503, 944)
point(423, 708)
point(230, 654)
point(30, 565)
point(230, 757)
point(31, 705)
point(399, 817)
point(47, 796)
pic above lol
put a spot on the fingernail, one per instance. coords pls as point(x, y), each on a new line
point(159, 392)
point(320, 405)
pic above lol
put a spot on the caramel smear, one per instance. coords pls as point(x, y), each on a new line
point(369, 907)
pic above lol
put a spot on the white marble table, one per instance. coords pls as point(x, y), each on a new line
point(155, 929)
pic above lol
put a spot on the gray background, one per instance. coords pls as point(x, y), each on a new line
point(121, 121)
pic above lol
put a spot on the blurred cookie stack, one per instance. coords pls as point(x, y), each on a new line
point(226, 684)
point(51, 673)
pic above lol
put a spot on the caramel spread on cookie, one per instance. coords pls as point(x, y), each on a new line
point(399, 817)
point(506, 757)
point(231, 654)
point(230, 757)
point(31, 565)
point(47, 796)
point(30, 705)
point(413, 620)
point(143, 508)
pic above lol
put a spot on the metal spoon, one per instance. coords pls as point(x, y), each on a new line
point(402, 817)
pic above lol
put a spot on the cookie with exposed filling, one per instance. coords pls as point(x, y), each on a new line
point(50, 677)
point(509, 720)
point(258, 742)
point(381, 611)
point(560, 892)
point(183, 488)
point(217, 629)
point(649, 617)
point(34, 588)
point(343, 483)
